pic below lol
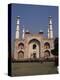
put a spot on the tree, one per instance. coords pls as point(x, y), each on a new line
point(55, 50)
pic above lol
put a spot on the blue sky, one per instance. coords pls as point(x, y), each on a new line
point(34, 18)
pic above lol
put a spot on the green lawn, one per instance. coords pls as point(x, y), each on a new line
point(35, 68)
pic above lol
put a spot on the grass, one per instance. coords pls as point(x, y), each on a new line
point(34, 68)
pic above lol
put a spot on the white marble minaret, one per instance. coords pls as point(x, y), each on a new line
point(16, 37)
point(17, 27)
point(50, 30)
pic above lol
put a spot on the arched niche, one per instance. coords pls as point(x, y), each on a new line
point(21, 45)
point(46, 45)
point(20, 55)
point(46, 53)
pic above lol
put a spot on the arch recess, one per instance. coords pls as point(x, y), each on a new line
point(21, 45)
point(46, 53)
point(20, 54)
point(46, 45)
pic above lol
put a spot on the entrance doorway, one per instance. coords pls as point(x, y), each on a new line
point(34, 55)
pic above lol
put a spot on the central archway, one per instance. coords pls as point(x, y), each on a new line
point(34, 49)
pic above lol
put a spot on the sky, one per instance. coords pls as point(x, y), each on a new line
point(34, 18)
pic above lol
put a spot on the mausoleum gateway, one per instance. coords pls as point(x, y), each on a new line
point(33, 46)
